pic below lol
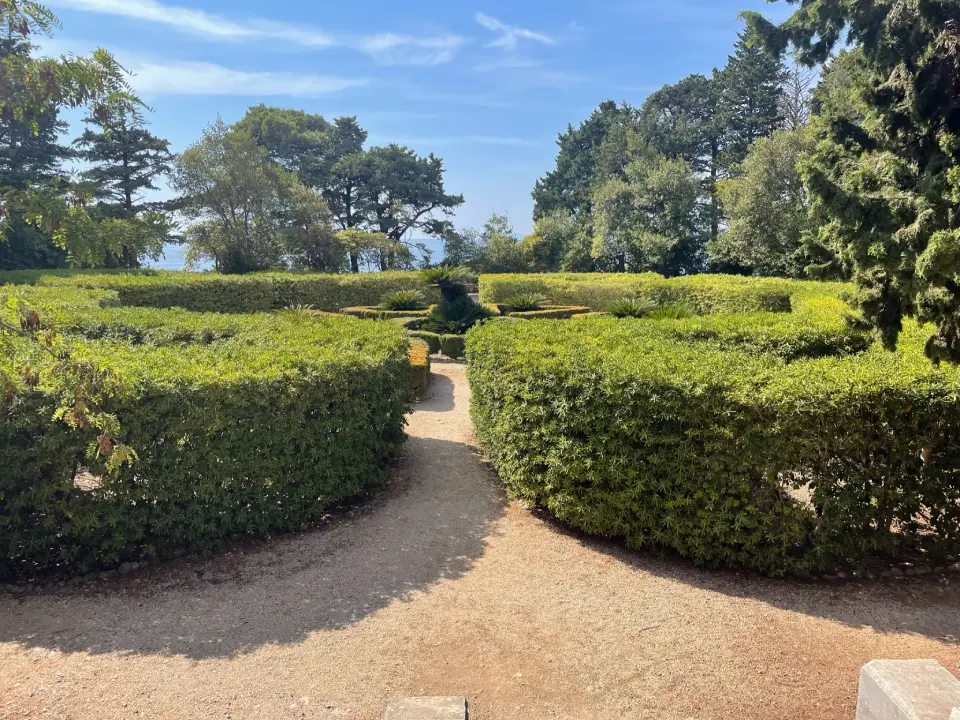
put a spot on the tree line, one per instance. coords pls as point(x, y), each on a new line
point(279, 189)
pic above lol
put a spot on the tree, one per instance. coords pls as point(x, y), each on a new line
point(248, 213)
point(553, 237)
point(583, 152)
point(685, 121)
point(461, 248)
point(648, 221)
point(403, 193)
point(767, 208)
point(751, 91)
point(884, 179)
point(126, 160)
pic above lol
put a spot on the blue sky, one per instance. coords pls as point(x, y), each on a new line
point(485, 86)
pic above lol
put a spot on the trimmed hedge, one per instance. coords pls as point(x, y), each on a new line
point(256, 292)
point(376, 313)
point(431, 339)
point(597, 291)
point(453, 346)
point(703, 435)
point(420, 367)
point(549, 312)
point(241, 424)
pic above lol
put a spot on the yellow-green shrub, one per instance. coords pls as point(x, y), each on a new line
point(259, 429)
point(689, 434)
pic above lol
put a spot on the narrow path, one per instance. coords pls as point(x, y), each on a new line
point(442, 587)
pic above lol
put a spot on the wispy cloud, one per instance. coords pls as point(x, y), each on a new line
point(196, 78)
point(386, 48)
point(509, 35)
point(508, 63)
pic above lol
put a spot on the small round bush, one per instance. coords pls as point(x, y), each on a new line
point(403, 300)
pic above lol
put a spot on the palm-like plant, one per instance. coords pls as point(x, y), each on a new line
point(451, 281)
point(633, 307)
point(524, 302)
point(680, 311)
point(455, 317)
point(403, 300)
point(298, 311)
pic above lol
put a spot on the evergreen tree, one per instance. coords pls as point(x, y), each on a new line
point(884, 178)
point(751, 91)
point(583, 151)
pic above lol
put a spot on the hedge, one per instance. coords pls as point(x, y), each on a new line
point(419, 355)
point(273, 419)
point(376, 313)
point(549, 312)
point(598, 291)
point(256, 292)
point(639, 430)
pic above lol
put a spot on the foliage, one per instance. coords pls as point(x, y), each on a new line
point(547, 312)
point(454, 316)
point(884, 176)
point(453, 346)
point(569, 187)
point(707, 294)
point(260, 292)
point(647, 221)
point(681, 311)
point(403, 300)
point(632, 307)
point(690, 434)
point(269, 424)
point(450, 281)
point(524, 301)
point(767, 208)
point(419, 356)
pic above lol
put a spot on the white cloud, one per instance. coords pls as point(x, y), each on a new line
point(510, 35)
point(387, 48)
point(196, 78)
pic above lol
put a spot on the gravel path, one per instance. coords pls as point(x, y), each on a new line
point(441, 587)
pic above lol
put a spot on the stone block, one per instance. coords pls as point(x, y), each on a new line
point(427, 708)
point(907, 690)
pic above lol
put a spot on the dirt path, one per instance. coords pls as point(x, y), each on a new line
point(442, 587)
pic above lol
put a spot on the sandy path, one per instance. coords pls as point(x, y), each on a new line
point(442, 587)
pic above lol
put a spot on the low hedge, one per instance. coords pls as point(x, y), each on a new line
point(431, 339)
point(256, 292)
point(453, 346)
point(598, 291)
point(376, 313)
point(260, 429)
point(549, 312)
point(419, 355)
point(635, 429)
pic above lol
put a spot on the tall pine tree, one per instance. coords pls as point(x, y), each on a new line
point(127, 159)
point(751, 90)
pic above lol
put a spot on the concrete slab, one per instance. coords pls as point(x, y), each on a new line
point(427, 708)
point(907, 690)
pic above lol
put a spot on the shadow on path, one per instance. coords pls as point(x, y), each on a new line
point(429, 524)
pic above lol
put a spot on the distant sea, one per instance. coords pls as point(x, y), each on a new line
point(174, 256)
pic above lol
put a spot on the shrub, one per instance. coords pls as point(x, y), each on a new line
point(403, 300)
point(704, 293)
point(409, 323)
point(431, 339)
point(523, 302)
point(453, 346)
point(550, 312)
point(455, 316)
point(681, 311)
point(377, 313)
point(256, 292)
point(260, 429)
point(450, 281)
point(419, 367)
point(635, 307)
point(691, 435)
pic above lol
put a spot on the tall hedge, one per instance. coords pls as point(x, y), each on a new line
point(255, 432)
point(598, 291)
point(643, 430)
point(256, 292)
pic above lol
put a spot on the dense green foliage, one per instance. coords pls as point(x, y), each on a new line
point(237, 294)
point(708, 435)
point(705, 293)
point(235, 423)
point(884, 176)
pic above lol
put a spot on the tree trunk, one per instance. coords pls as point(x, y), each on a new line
point(354, 263)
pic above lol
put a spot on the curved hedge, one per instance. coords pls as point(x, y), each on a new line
point(256, 292)
point(705, 293)
point(240, 423)
point(770, 441)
